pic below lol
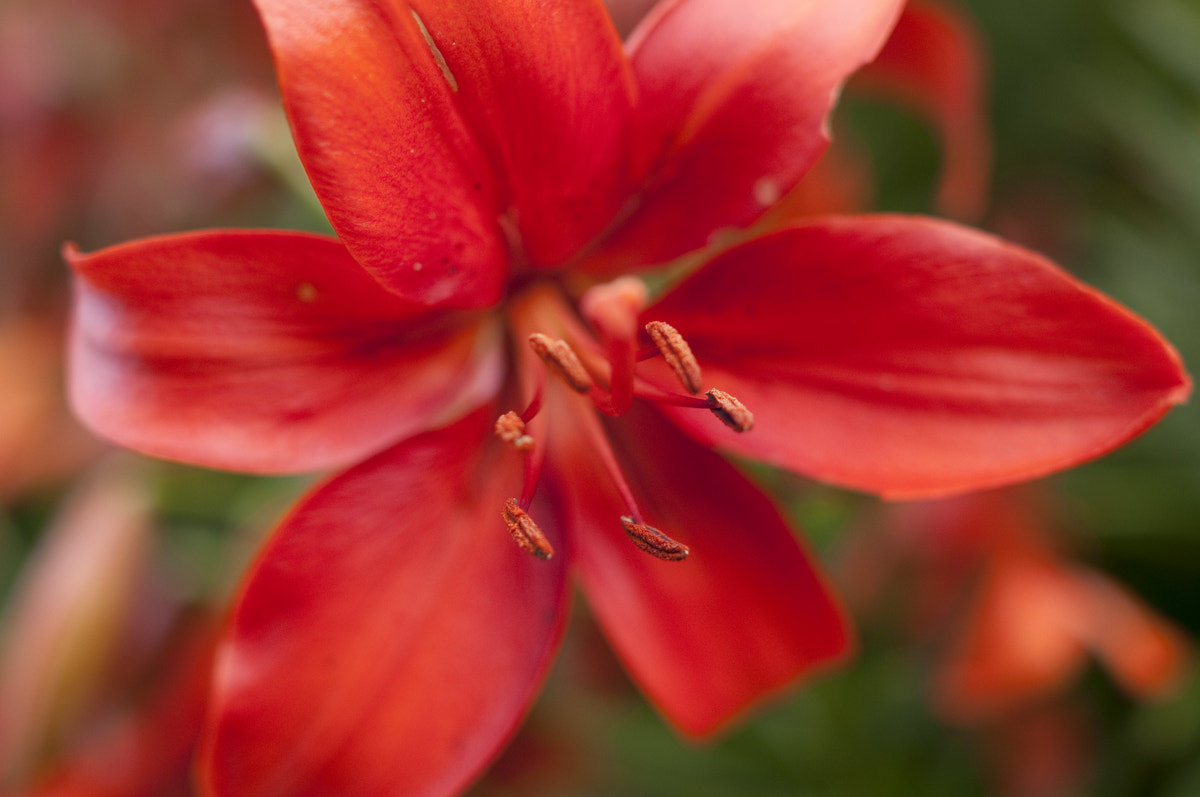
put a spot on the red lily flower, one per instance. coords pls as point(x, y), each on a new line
point(1009, 620)
point(487, 164)
point(985, 571)
point(1035, 616)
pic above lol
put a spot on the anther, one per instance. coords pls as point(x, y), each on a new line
point(732, 412)
point(527, 534)
point(511, 429)
point(677, 353)
point(559, 355)
point(653, 541)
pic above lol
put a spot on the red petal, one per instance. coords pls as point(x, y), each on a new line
point(913, 357)
point(734, 98)
point(743, 616)
point(391, 633)
point(934, 61)
point(261, 351)
point(548, 92)
point(404, 184)
point(1146, 653)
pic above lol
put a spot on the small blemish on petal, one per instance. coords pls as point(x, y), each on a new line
point(417, 267)
point(766, 191)
point(306, 292)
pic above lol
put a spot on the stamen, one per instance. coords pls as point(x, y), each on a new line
point(527, 534)
point(535, 403)
point(559, 355)
point(677, 353)
point(594, 433)
point(511, 429)
point(654, 395)
point(654, 542)
point(732, 412)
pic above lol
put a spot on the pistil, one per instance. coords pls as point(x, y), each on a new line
point(612, 309)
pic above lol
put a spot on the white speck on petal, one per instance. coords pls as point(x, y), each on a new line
point(766, 191)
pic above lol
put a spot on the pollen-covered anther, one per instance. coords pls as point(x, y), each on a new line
point(559, 355)
point(527, 534)
point(678, 354)
point(653, 541)
point(511, 429)
point(732, 412)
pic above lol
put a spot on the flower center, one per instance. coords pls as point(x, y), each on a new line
point(598, 357)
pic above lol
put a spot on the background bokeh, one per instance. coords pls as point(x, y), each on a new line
point(121, 118)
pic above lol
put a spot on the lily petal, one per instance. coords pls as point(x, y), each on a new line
point(704, 67)
point(390, 635)
point(934, 62)
point(1144, 651)
point(913, 357)
point(262, 352)
point(403, 181)
point(746, 613)
point(549, 93)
